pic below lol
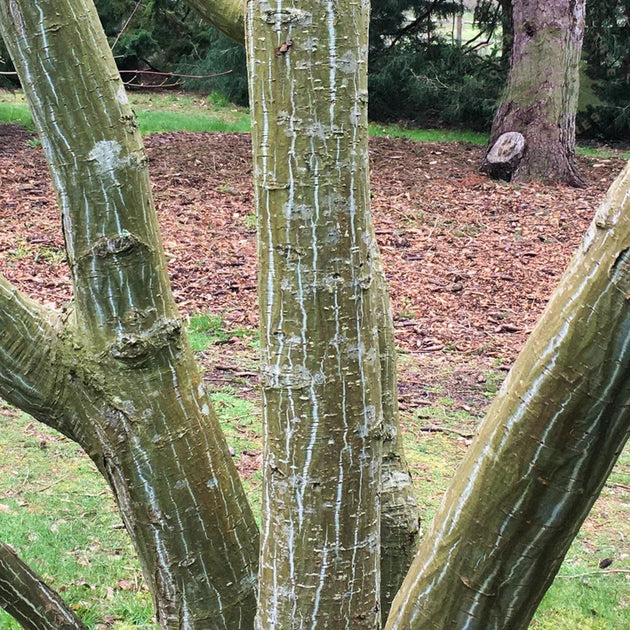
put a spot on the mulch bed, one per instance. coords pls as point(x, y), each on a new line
point(471, 262)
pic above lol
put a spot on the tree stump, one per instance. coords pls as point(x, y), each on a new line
point(504, 157)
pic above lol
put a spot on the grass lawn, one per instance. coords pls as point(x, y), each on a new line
point(164, 112)
point(57, 511)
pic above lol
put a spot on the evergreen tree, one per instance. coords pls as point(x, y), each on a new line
point(607, 55)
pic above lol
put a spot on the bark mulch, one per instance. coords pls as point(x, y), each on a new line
point(471, 262)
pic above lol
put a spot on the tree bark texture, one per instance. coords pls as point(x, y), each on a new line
point(507, 29)
point(227, 16)
point(29, 600)
point(400, 528)
point(320, 367)
point(540, 99)
point(543, 452)
point(400, 522)
point(114, 371)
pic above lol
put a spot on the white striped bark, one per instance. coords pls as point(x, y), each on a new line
point(543, 453)
point(320, 368)
point(114, 371)
point(29, 600)
point(400, 524)
point(30, 341)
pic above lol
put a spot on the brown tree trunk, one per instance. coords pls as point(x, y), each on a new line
point(507, 29)
point(540, 99)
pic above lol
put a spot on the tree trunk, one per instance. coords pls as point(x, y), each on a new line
point(29, 600)
point(507, 29)
point(400, 521)
point(320, 368)
point(226, 16)
point(114, 371)
point(41, 333)
point(400, 524)
point(542, 455)
point(540, 99)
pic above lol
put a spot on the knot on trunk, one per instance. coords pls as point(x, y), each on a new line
point(287, 16)
point(620, 272)
point(137, 348)
point(289, 377)
point(504, 157)
point(111, 247)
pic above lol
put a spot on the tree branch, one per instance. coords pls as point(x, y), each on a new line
point(30, 354)
point(414, 26)
point(25, 596)
point(126, 24)
point(130, 386)
point(542, 454)
point(176, 74)
point(227, 16)
point(100, 175)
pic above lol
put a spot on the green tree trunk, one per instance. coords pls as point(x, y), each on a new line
point(29, 600)
point(400, 524)
point(542, 455)
point(226, 16)
point(320, 368)
point(399, 511)
point(540, 99)
point(115, 372)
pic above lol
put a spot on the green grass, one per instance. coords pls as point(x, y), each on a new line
point(172, 112)
point(208, 329)
point(156, 113)
point(159, 122)
point(596, 152)
point(204, 330)
point(186, 112)
point(14, 110)
point(57, 511)
point(242, 425)
point(589, 602)
point(428, 135)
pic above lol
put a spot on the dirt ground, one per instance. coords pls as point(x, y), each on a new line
point(471, 262)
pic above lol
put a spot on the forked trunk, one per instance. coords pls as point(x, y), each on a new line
point(225, 15)
point(116, 373)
